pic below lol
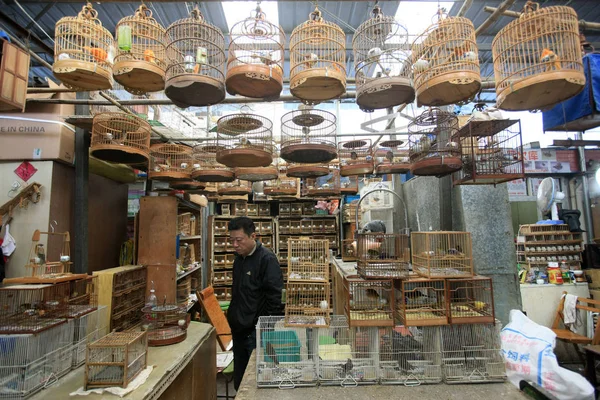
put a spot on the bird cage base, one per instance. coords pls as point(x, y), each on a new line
point(194, 90)
point(361, 168)
point(82, 75)
point(139, 76)
point(308, 153)
point(234, 191)
point(541, 91)
point(169, 176)
point(385, 93)
point(322, 192)
point(436, 166)
point(280, 191)
point(485, 179)
point(395, 168)
point(382, 270)
point(448, 88)
point(257, 174)
point(318, 84)
point(235, 158)
point(186, 185)
point(166, 336)
point(213, 175)
point(119, 154)
point(255, 81)
point(307, 171)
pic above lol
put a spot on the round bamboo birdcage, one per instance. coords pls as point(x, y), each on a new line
point(188, 185)
point(537, 59)
point(255, 63)
point(235, 188)
point(356, 157)
point(205, 167)
point(196, 54)
point(170, 162)
point(317, 60)
point(120, 138)
point(323, 186)
point(141, 58)
point(245, 140)
point(282, 186)
point(307, 170)
point(391, 157)
point(432, 151)
point(382, 63)
point(445, 62)
point(305, 136)
point(257, 174)
point(84, 52)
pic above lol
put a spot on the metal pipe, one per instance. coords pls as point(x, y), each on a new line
point(505, 5)
point(464, 8)
point(587, 208)
point(583, 24)
point(382, 189)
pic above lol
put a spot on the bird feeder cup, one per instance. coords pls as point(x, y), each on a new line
point(245, 140)
point(392, 158)
point(317, 60)
point(205, 167)
point(120, 138)
point(84, 52)
point(356, 157)
point(170, 162)
point(140, 63)
point(537, 59)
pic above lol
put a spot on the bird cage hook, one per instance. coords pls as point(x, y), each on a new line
point(376, 12)
point(316, 14)
point(53, 225)
point(530, 7)
point(259, 14)
point(143, 12)
point(441, 15)
point(196, 14)
point(88, 12)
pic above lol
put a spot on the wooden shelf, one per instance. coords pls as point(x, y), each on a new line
point(235, 216)
point(186, 273)
point(315, 216)
point(193, 237)
point(485, 128)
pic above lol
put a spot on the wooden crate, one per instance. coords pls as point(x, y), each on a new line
point(184, 224)
point(14, 73)
point(222, 278)
point(223, 293)
point(221, 227)
point(308, 208)
point(296, 209)
point(264, 210)
point(284, 209)
point(240, 209)
point(252, 210)
point(284, 227)
point(421, 302)
point(369, 302)
point(225, 210)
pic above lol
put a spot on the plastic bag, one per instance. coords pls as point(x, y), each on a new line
point(528, 350)
point(9, 244)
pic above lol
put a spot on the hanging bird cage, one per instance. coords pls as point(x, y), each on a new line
point(187, 186)
point(257, 174)
point(349, 185)
point(431, 149)
point(170, 162)
point(282, 186)
point(120, 138)
point(205, 165)
point(323, 186)
point(235, 188)
point(317, 60)
point(537, 59)
point(141, 60)
point(445, 62)
point(355, 157)
point(297, 170)
point(382, 63)
point(196, 54)
point(392, 158)
point(255, 62)
point(84, 52)
point(246, 140)
point(40, 265)
point(306, 136)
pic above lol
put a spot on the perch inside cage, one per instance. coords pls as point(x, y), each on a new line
point(392, 158)
point(165, 324)
point(356, 157)
point(40, 265)
point(196, 54)
point(235, 188)
point(141, 58)
point(205, 167)
point(317, 60)
point(421, 302)
point(442, 254)
point(170, 162)
point(382, 63)
point(323, 186)
point(369, 302)
point(85, 52)
point(432, 152)
point(120, 138)
point(255, 62)
point(245, 140)
point(537, 59)
point(445, 62)
point(305, 133)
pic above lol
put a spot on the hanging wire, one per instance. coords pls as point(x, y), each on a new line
point(34, 21)
point(333, 16)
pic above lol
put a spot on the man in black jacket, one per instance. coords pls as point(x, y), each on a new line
point(257, 286)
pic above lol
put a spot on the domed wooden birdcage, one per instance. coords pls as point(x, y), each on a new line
point(356, 157)
point(246, 140)
point(120, 138)
point(141, 60)
point(257, 174)
point(235, 188)
point(306, 136)
point(205, 167)
point(432, 151)
point(445, 62)
point(391, 157)
point(298, 170)
point(317, 60)
point(382, 63)
point(84, 51)
point(255, 62)
point(170, 162)
point(323, 186)
point(537, 59)
point(196, 61)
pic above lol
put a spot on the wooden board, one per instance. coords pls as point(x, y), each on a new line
point(157, 231)
point(448, 88)
point(62, 204)
point(39, 280)
point(164, 278)
point(139, 75)
point(318, 84)
point(216, 317)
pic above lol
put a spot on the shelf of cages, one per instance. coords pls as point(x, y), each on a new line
point(245, 140)
point(308, 260)
point(391, 157)
point(382, 255)
point(307, 304)
point(442, 254)
point(322, 187)
point(421, 302)
point(205, 167)
point(355, 157)
point(170, 162)
point(369, 302)
point(305, 209)
point(471, 300)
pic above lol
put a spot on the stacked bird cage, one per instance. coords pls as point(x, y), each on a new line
point(141, 60)
point(88, 328)
point(307, 304)
point(196, 55)
point(349, 185)
point(391, 157)
point(166, 323)
point(84, 52)
point(205, 165)
point(471, 300)
point(442, 254)
point(538, 59)
point(382, 63)
point(170, 162)
point(83, 296)
point(235, 188)
point(323, 186)
point(365, 342)
point(356, 157)
point(245, 140)
point(120, 138)
point(369, 302)
point(382, 255)
point(308, 260)
point(305, 136)
point(421, 302)
point(317, 60)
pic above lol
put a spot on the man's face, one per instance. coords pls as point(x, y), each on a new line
point(242, 243)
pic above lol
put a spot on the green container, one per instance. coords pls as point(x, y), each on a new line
point(285, 343)
point(124, 37)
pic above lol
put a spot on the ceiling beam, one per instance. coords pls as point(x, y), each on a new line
point(43, 11)
point(585, 25)
point(24, 33)
point(505, 5)
point(575, 143)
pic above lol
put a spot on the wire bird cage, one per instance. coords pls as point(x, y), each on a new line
point(356, 157)
point(120, 138)
point(323, 186)
point(165, 324)
point(38, 263)
point(431, 149)
point(116, 359)
point(256, 54)
point(369, 302)
point(282, 186)
point(537, 59)
point(421, 302)
point(196, 60)
point(307, 304)
point(337, 363)
point(308, 260)
point(472, 353)
point(245, 140)
point(442, 254)
point(471, 300)
point(365, 342)
point(205, 165)
point(257, 174)
point(141, 60)
point(349, 185)
point(391, 157)
point(382, 63)
point(235, 188)
point(301, 170)
point(87, 329)
point(445, 62)
point(285, 357)
point(492, 152)
point(170, 162)
point(382, 255)
point(349, 250)
point(305, 135)
point(317, 60)
point(84, 50)
point(83, 296)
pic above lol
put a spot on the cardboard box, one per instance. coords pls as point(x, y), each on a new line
point(54, 111)
point(593, 277)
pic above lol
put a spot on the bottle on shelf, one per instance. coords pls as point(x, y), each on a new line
point(152, 301)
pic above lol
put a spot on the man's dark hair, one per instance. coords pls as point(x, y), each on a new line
point(244, 223)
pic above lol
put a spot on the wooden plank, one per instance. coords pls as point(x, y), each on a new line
point(62, 204)
point(39, 280)
point(216, 317)
point(157, 231)
point(164, 278)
